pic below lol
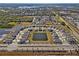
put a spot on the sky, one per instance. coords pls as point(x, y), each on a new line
point(39, 1)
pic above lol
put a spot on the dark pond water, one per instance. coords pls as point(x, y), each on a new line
point(3, 31)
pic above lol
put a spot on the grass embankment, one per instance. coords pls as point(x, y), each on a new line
point(9, 25)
